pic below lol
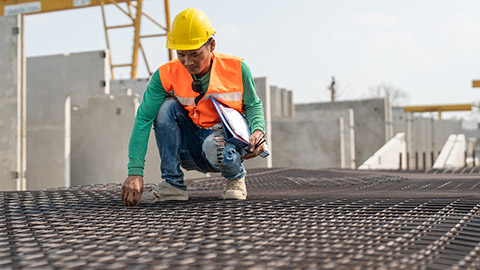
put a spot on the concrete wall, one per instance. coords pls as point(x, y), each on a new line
point(100, 134)
point(424, 135)
point(264, 93)
point(370, 123)
point(102, 156)
point(136, 86)
point(12, 104)
point(51, 82)
point(312, 142)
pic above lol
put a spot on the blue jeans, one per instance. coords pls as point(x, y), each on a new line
point(182, 143)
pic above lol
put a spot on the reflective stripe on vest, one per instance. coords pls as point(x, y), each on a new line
point(225, 85)
point(235, 96)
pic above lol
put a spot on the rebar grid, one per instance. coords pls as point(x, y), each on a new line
point(337, 224)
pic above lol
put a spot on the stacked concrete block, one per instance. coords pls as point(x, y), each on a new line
point(12, 104)
point(52, 81)
point(282, 103)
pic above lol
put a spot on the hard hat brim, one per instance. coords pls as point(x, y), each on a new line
point(183, 47)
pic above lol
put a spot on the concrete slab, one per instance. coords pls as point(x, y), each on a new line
point(100, 134)
point(12, 103)
point(313, 142)
point(370, 123)
point(136, 86)
point(51, 82)
point(102, 156)
point(263, 92)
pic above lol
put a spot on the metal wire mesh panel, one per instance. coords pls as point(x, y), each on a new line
point(337, 224)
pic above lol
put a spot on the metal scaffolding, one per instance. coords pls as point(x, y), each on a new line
point(129, 8)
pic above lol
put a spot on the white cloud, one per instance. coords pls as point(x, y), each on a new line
point(376, 20)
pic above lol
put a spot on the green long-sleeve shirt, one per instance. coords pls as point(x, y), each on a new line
point(153, 98)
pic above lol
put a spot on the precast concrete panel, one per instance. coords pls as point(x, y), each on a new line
point(370, 131)
point(290, 105)
point(135, 86)
point(276, 100)
point(424, 135)
point(51, 81)
point(264, 93)
point(314, 140)
point(12, 100)
point(102, 156)
point(285, 103)
point(100, 133)
point(307, 143)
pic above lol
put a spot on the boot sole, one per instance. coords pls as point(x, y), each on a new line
point(172, 198)
point(166, 198)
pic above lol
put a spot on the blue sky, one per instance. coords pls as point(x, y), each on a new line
point(429, 49)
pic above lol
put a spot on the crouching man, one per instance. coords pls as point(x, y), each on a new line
point(187, 127)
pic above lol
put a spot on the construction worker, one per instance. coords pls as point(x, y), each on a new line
point(187, 127)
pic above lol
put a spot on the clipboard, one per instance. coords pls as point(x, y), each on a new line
point(234, 124)
point(236, 127)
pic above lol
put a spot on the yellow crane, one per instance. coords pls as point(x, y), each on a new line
point(132, 9)
point(439, 108)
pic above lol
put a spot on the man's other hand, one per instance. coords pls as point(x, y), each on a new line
point(256, 137)
point(132, 190)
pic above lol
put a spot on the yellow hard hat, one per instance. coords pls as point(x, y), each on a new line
point(190, 29)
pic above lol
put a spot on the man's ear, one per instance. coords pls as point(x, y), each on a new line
point(212, 44)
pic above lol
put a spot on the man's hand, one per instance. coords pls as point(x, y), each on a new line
point(254, 139)
point(132, 190)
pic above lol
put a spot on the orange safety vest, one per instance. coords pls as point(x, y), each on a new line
point(226, 86)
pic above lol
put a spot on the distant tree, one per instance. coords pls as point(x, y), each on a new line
point(395, 95)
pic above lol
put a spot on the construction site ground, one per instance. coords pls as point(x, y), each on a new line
point(292, 219)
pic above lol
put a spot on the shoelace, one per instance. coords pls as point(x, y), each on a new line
point(234, 184)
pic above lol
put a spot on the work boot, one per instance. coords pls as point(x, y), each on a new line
point(163, 191)
point(235, 189)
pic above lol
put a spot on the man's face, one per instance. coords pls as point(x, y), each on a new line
point(197, 62)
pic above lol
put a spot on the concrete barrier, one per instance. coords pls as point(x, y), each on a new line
point(453, 153)
point(388, 156)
